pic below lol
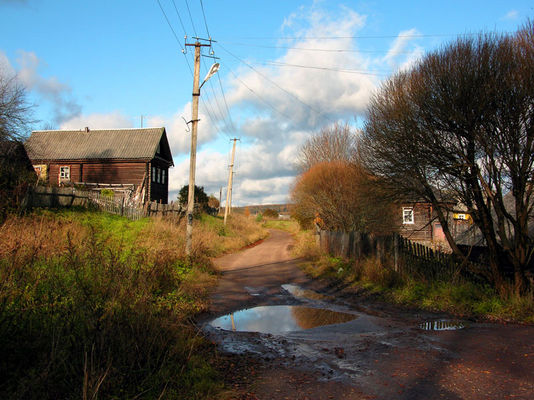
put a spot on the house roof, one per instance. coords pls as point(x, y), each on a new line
point(98, 144)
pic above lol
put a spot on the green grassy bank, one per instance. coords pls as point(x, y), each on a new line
point(456, 296)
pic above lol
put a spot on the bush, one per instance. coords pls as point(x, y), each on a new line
point(270, 213)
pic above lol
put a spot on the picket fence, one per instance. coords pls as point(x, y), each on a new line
point(403, 254)
point(53, 197)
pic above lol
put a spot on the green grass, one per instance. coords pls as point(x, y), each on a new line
point(288, 226)
point(96, 306)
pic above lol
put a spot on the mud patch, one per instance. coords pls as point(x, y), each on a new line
point(280, 319)
point(303, 294)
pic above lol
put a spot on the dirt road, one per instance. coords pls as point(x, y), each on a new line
point(381, 354)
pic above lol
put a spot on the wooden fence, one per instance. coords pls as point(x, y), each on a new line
point(54, 197)
point(403, 254)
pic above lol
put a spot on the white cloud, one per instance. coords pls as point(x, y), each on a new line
point(511, 15)
point(50, 89)
point(304, 100)
point(310, 97)
point(401, 55)
point(179, 134)
point(113, 120)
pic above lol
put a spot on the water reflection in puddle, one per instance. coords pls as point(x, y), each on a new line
point(278, 319)
point(442, 325)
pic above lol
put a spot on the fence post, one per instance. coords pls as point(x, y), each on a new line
point(396, 251)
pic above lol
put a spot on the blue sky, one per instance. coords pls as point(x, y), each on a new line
point(288, 68)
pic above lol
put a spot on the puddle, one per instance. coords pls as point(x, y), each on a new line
point(279, 319)
point(442, 325)
point(298, 292)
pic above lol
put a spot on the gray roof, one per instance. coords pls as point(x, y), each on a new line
point(97, 144)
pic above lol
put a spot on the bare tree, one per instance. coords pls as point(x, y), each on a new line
point(461, 122)
point(334, 143)
point(15, 111)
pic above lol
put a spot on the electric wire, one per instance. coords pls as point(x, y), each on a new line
point(310, 49)
point(170, 26)
point(261, 98)
point(232, 126)
point(206, 107)
point(179, 18)
point(277, 85)
point(348, 71)
point(411, 35)
point(205, 22)
point(226, 105)
point(191, 17)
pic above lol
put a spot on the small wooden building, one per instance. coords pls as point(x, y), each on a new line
point(419, 223)
point(138, 159)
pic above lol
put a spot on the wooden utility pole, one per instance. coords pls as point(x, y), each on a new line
point(193, 156)
point(229, 189)
point(220, 200)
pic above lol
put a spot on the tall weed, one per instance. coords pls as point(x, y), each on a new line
point(93, 305)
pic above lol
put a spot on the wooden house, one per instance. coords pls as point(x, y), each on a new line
point(418, 221)
point(134, 160)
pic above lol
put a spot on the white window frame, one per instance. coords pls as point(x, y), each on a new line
point(64, 173)
point(405, 211)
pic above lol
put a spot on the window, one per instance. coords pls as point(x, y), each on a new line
point(159, 175)
point(64, 173)
point(153, 174)
point(163, 173)
point(407, 215)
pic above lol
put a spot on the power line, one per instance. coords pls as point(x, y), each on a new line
point(180, 18)
point(261, 98)
point(348, 71)
point(218, 77)
point(205, 23)
point(412, 35)
point(277, 85)
point(226, 104)
point(190, 17)
point(310, 49)
point(172, 29)
point(204, 103)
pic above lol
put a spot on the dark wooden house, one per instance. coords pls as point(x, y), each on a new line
point(119, 159)
point(418, 221)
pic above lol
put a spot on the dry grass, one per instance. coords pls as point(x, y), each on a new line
point(94, 305)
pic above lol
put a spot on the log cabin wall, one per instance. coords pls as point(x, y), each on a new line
point(421, 228)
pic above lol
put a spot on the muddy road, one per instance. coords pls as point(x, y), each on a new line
point(286, 336)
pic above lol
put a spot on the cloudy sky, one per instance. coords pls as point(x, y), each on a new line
point(288, 68)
